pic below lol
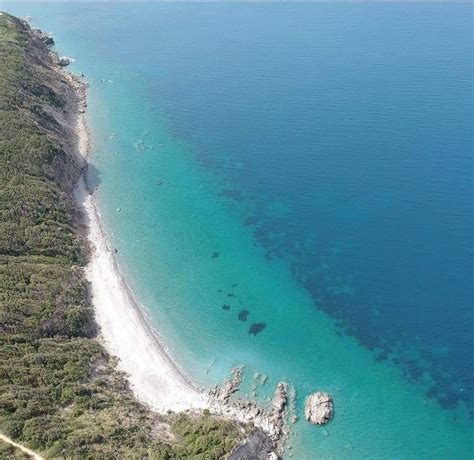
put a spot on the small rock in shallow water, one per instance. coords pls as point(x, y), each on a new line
point(64, 62)
point(226, 307)
point(215, 255)
point(319, 408)
point(243, 315)
point(256, 328)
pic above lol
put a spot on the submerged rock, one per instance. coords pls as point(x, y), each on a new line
point(256, 328)
point(243, 315)
point(319, 408)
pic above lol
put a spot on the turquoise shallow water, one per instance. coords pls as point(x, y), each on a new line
point(228, 174)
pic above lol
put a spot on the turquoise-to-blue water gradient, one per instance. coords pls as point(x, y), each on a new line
point(309, 167)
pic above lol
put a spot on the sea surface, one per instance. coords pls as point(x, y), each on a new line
point(290, 188)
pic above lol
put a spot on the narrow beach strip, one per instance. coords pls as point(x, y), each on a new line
point(126, 331)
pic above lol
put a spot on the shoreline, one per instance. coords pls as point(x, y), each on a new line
point(126, 331)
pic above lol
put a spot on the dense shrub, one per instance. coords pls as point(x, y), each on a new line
point(60, 392)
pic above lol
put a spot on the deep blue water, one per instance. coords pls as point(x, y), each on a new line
point(332, 142)
point(347, 133)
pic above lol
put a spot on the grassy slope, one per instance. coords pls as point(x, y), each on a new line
point(60, 393)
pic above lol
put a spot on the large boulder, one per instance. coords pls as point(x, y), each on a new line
point(318, 409)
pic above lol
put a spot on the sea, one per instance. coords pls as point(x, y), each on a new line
point(289, 187)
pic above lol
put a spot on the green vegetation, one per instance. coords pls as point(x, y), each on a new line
point(60, 393)
point(7, 451)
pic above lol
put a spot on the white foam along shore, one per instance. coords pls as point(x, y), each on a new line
point(125, 329)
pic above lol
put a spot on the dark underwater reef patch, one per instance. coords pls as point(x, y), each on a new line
point(256, 328)
point(449, 388)
point(243, 315)
point(226, 307)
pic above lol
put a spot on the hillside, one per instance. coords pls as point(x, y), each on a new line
point(61, 394)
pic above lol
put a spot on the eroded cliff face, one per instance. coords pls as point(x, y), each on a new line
point(51, 99)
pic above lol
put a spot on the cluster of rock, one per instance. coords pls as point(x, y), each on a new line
point(230, 386)
point(319, 408)
point(60, 61)
point(272, 420)
point(44, 37)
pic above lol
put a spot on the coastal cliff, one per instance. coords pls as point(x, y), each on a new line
point(62, 394)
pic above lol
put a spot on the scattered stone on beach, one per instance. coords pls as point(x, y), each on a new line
point(243, 315)
point(215, 255)
point(226, 307)
point(318, 408)
point(256, 328)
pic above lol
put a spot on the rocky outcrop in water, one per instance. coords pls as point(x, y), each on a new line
point(272, 419)
point(319, 408)
point(222, 394)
